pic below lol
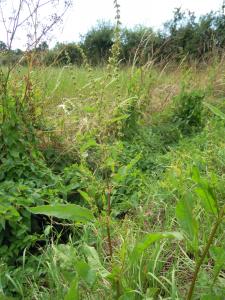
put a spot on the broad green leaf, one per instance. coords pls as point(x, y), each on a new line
point(215, 110)
point(149, 239)
point(204, 192)
point(85, 272)
point(186, 219)
point(73, 292)
point(207, 199)
point(70, 212)
point(196, 175)
point(94, 261)
point(130, 295)
point(86, 197)
point(124, 170)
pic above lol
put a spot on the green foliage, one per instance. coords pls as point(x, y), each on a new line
point(3, 46)
point(70, 212)
point(129, 178)
point(64, 54)
point(215, 110)
point(98, 42)
point(184, 214)
point(146, 174)
point(151, 238)
point(73, 293)
point(17, 229)
point(184, 37)
point(188, 114)
point(138, 44)
point(25, 182)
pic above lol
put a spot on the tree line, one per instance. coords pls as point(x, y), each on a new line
point(184, 36)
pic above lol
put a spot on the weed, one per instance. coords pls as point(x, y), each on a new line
point(189, 111)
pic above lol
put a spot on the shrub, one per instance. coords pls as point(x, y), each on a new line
point(25, 181)
point(98, 42)
point(188, 113)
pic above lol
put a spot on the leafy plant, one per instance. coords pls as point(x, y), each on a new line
point(185, 216)
point(70, 212)
point(188, 114)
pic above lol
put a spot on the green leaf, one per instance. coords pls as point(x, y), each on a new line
point(129, 295)
point(116, 119)
point(70, 212)
point(196, 175)
point(215, 110)
point(85, 272)
point(86, 197)
point(2, 223)
point(124, 170)
point(205, 193)
point(186, 219)
point(218, 255)
point(207, 199)
point(150, 239)
point(94, 261)
point(88, 144)
point(73, 292)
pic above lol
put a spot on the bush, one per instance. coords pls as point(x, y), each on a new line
point(188, 114)
point(25, 181)
point(98, 42)
point(64, 54)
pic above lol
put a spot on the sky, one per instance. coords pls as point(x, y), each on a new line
point(84, 14)
point(154, 13)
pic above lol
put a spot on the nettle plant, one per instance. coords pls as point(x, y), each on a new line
point(202, 203)
point(188, 111)
point(25, 179)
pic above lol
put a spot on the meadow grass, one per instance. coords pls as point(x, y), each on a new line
point(120, 139)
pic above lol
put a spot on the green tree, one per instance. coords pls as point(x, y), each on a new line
point(98, 42)
point(3, 46)
point(138, 44)
point(43, 46)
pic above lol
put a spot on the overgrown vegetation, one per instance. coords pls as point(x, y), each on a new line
point(111, 179)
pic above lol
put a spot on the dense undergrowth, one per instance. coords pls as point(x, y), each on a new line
point(112, 182)
point(145, 175)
